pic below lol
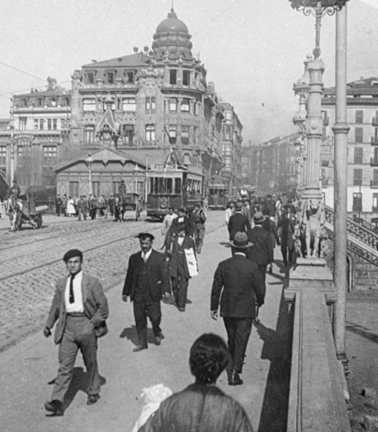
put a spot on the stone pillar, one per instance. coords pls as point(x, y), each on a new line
point(341, 130)
point(75, 108)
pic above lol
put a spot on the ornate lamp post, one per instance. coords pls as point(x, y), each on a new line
point(319, 8)
point(89, 161)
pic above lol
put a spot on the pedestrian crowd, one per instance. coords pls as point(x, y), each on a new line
point(79, 308)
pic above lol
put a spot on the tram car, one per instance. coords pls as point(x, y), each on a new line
point(173, 187)
point(217, 196)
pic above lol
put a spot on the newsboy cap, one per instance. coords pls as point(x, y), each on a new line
point(143, 236)
point(72, 253)
point(181, 210)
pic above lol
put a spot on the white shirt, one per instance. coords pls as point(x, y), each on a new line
point(240, 253)
point(145, 256)
point(77, 305)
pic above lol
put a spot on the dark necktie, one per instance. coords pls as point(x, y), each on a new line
point(72, 297)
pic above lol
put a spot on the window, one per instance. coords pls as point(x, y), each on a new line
point(185, 105)
point(55, 124)
point(49, 124)
point(185, 134)
point(49, 155)
point(53, 102)
point(150, 133)
point(186, 78)
point(41, 124)
point(375, 201)
point(3, 155)
point(90, 78)
point(150, 103)
point(227, 132)
point(359, 117)
point(110, 77)
point(73, 188)
point(22, 123)
point(96, 188)
point(357, 177)
point(359, 135)
point(172, 134)
point(173, 76)
point(358, 153)
point(89, 134)
point(36, 124)
point(375, 175)
point(89, 105)
point(130, 77)
point(172, 104)
point(357, 201)
point(128, 134)
point(177, 186)
point(129, 104)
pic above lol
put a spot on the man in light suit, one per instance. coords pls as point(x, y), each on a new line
point(80, 308)
point(146, 279)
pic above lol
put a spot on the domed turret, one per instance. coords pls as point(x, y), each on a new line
point(172, 24)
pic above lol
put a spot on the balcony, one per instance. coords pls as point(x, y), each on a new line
point(374, 121)
point(374, 184)
point(374, 161)
point(374, 141)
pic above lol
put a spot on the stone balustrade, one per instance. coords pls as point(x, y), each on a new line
point(318, 391)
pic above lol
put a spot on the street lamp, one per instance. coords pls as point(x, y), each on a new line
point(319, 8)
point(89, 161)
point(136, 171)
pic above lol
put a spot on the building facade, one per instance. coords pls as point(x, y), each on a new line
point(362, 118)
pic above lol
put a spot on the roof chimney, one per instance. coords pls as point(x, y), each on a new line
point(94, 61)
point(135, 49)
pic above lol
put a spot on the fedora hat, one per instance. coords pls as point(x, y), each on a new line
point(258, 218)
point(241, 241)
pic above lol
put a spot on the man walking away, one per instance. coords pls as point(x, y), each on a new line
point(80, 308)
point(262, 251)
point(198, 219)
point(286, 225)
point(270, 226)
point(146, 280)
point(241, 284)
point(230, 210)
point(58, 205)
point(238, 222)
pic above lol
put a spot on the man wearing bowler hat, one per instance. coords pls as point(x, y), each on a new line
point(241, 284)
point(147, 279)
point(80, 308)
point(238, 222)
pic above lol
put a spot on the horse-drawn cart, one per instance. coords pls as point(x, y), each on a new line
point(33, 218)
point(21, 213)
point(127, 202)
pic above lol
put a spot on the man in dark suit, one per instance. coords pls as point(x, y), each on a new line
point(238, 222)
point(241, 284)
point(262, 251)
point(146, 279)
point(80, 307)
point(286, 225)
point(179, 221)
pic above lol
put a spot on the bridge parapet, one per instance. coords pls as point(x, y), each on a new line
point(318, 390)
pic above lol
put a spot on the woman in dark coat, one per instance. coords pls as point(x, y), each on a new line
point(201, 407)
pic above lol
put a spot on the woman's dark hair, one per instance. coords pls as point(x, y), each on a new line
point(209, 357)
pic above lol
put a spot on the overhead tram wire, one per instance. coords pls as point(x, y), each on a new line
point(21, 71)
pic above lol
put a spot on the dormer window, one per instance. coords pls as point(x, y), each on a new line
point(130, 77)
point(90, 78)
point(110, 77)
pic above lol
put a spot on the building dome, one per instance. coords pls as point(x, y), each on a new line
point(172, 24)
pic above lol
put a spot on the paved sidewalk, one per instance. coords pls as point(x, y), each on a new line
point(27, 368)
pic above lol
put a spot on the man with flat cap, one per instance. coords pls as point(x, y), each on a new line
point(80, 308)
point(198, 219)
point(241, 284)
point(146, 280)
point(238, 222)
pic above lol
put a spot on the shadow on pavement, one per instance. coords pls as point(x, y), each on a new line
point(277, 348)
point(361, 331)
point(130, 334)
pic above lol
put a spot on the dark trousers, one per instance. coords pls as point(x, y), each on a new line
point(145, 307)
point(79, 333)
point(82, 212)
point(199, 235)
point(285, 249)
point(262, 270)
point(238, 331)
point(92, 213)
point(58, 209)
point(180, 284)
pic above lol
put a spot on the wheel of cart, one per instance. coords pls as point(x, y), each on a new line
point(131, 202)
point(39, 220)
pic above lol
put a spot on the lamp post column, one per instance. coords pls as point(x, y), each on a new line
point(341, 130)
point(12, 144)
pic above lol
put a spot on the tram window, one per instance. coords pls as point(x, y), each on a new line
point(161, 185)
point(178, 186)
point(221, 193)
point(155, 183)
point(169, 186)
point(211, 191)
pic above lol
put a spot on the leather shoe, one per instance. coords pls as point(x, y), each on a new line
point(140, 348)
point(234, 379)
point(181, 309)
point(55, 407)
point(159, 338)
point(92, 399)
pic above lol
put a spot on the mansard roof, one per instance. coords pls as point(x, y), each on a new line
point(46, 93)
point(132, 60)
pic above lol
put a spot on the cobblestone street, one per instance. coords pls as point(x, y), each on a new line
point(31, 262)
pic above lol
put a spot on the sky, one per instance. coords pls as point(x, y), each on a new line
point(253, 50)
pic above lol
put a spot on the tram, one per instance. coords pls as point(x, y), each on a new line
point(217, 196)
point(173, 187)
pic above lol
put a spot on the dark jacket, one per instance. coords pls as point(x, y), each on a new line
point(199, 408)
point(262, 251)
point(287, 226)
point(94, 301)
point(177, 255)
point(241, 281)
point(238, 222)
point(158, 277)
point(187, 224)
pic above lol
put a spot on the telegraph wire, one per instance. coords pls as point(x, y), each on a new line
point(19, 70)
